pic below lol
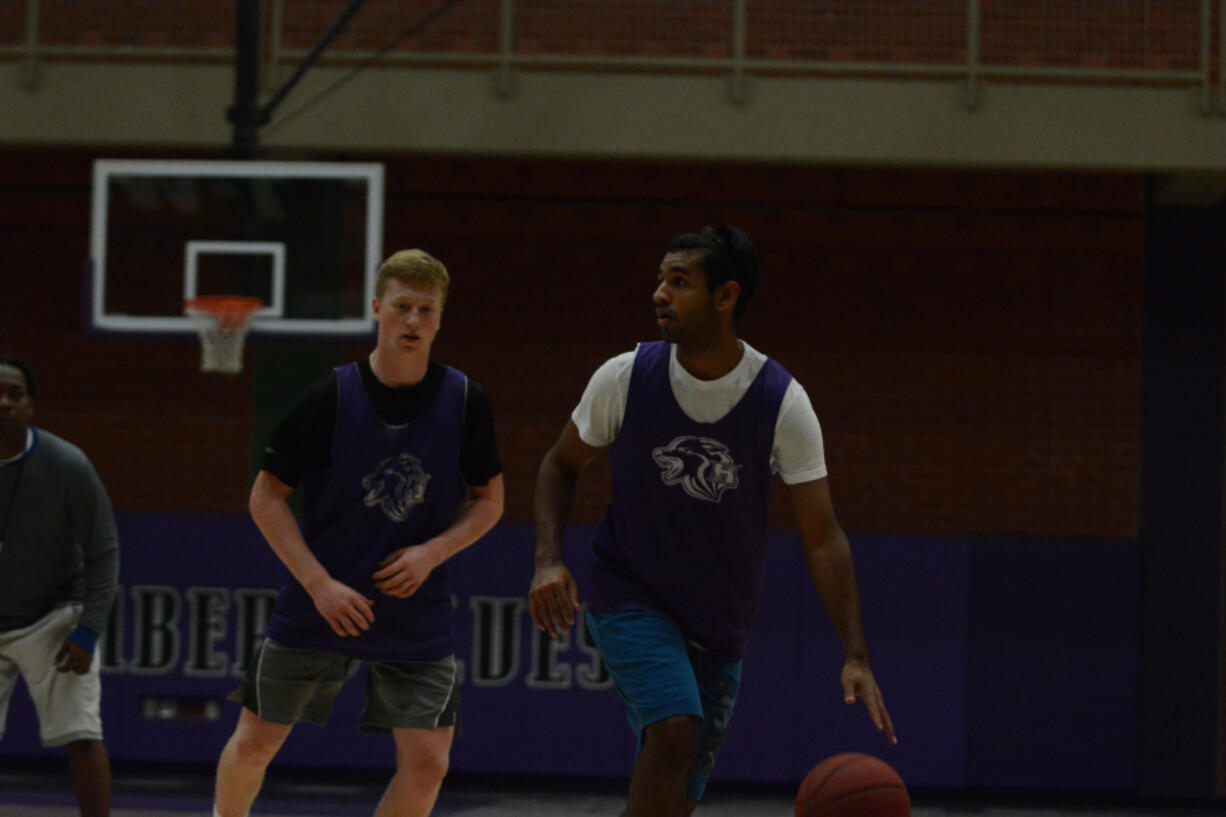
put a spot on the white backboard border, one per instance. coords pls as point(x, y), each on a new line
point(270, 319)
point(275, 250)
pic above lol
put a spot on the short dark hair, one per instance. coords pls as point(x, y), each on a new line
point(729, 256)
point(21, 366)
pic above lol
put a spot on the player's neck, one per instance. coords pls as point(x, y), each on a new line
point(711, 360)
point(399, 370)
point(13, 444)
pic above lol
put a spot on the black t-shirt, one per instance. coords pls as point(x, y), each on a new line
point(302, 443)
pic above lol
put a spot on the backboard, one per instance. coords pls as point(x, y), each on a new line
point(303, 237)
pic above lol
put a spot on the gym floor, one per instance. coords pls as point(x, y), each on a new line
point(42, 791)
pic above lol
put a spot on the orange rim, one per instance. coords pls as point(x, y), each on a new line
point(229, 310)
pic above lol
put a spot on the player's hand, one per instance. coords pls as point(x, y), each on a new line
point(72, 657)
point(553, 599)
point(346, 610)
point(858, 682)
point(403, 571)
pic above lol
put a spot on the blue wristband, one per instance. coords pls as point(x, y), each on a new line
point(85, 638)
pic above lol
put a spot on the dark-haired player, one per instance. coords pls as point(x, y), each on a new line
point(399, 469)
point(695, 426)
point(59, 564)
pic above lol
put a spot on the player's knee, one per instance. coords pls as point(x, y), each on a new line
point(255, 748)
point(427, 768)
point(84, 745)
point(87, 748)
point(675, 738)
point(426, 764)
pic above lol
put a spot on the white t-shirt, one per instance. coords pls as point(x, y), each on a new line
point(797, 453)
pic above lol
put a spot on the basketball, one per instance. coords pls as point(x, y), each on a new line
point(852, 785)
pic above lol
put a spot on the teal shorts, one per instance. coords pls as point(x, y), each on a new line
point(659, 675)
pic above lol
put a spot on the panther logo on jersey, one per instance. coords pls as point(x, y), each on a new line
point(396, 485)
point(703, 467)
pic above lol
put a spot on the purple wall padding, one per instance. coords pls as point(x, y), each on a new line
point(1054, 665)
point(948, 656)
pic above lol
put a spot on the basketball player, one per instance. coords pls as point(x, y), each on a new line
point(399, 469)
point(695, 426)
point(59, 565)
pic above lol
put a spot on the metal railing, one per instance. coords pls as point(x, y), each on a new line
point(505, 59)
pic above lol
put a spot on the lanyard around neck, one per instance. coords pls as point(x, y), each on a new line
point(8, 513)
point(20, 465)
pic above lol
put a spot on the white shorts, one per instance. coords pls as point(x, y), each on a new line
point(67, 704)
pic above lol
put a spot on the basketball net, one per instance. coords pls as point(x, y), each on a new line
point(222, 322)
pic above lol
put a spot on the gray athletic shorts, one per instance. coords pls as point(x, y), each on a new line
point(68, 705)
point(287, 685)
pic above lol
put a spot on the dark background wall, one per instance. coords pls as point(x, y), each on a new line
point(1180, 520)
point(971, 341)
point(1019, 372)
point(979, 346)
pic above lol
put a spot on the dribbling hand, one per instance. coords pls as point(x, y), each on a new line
point(858, 682)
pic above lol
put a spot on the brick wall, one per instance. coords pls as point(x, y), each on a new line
point(970, 340)
point(161, 436)
point(1086, 34)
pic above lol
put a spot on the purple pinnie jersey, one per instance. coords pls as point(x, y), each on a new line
point(685, 533)
point(388, 487)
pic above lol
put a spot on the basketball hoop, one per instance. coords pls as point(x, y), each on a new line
point(222, 321)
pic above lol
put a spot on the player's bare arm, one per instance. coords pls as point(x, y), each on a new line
point(828, 555)
point(347, 611)
point(403, 571)
point(553, 596)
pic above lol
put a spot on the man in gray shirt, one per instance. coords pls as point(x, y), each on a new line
point(59, 560)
